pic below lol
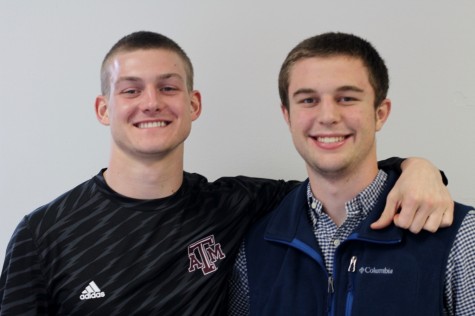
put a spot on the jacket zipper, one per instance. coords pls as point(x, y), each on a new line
point(350, 294)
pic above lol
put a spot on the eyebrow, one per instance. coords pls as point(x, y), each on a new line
point(160, 77)
point(339, 89)
point(349, 88)
point(303, 91)
point(170, 75)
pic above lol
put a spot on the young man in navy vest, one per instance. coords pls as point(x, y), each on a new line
point(316, 253)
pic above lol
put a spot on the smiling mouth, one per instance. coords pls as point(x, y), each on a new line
point(330, 140)
point(152, 124)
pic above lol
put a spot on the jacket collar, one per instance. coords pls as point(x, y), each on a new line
point(289, 222)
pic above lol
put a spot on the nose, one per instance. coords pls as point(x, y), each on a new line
point(151, 101)
point(328, 111)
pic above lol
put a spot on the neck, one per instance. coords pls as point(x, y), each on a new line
point(334, 191)
point(147, 178)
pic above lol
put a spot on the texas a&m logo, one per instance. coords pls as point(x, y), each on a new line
point(203, 254)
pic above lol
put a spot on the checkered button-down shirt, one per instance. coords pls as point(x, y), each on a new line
point(328, 235)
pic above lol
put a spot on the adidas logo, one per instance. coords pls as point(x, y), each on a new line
point(91, 291)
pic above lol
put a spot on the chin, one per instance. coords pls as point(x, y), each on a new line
point(330, 168)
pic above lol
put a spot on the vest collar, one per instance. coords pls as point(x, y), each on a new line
point(289, 222)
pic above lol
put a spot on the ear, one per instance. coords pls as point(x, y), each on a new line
point(285, 114)
point(382, 113)
point(102, 110)
point(195, 107)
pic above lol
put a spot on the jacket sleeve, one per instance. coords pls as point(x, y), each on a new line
point(394, 163)
point(22, 285)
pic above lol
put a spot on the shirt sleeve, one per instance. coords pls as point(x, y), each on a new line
point(22, 286)
point(238, 304)
point(394, 163)
point(459, 293)
point(258, 195)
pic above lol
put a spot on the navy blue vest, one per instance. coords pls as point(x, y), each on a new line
point(376, 272)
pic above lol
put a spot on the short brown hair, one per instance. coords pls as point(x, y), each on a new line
point(333, 44)
point(144, 40)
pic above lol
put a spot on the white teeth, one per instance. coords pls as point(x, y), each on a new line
point(152, 124)
point(329, 140)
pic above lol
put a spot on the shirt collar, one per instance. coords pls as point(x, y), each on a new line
point(362, 203)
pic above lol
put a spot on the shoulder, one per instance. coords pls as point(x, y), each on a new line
point(286, 214)
point(237, 183)
point(464, 219)
point(464, 215)
point(46, 215)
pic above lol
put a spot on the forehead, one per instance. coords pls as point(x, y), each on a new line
point(328, 71)
point(145, 63)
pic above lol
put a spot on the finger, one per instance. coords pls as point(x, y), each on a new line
point(438, 214)
point(433, 222)
point(427, 217)
point(448, 216)
point(418, 221)
point(441, 216)
point(406, 216)
point(386, 218)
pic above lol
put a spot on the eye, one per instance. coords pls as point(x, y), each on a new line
point(347, 99)
point(309, 101)
point(168, 89)
point(130, 91)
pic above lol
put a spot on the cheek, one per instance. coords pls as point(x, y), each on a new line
point(362, 119)
point(124, 111)
point(178, 105)
point(302, 121)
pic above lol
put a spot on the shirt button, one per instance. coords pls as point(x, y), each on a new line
point(336, 242)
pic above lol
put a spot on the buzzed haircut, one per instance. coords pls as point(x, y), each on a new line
point(144, 40)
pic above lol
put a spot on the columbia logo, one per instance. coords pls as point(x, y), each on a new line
point(372, 270)
point(91, 291)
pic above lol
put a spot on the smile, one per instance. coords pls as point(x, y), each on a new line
point(152, 124)
point(330, 140)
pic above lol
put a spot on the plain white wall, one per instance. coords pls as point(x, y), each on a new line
point(49, 77)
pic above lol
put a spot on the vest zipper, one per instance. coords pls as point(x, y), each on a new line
point(352, 266)
point(349, 296)
point(331, 289)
